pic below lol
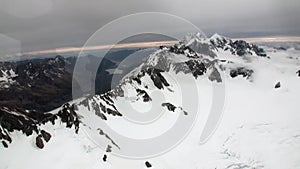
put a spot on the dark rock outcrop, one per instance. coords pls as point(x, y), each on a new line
point(241, 47)
point(238, 47)
point(68, 115)
point(157, 78)
point(172, 108)
point(104, 158)
point(148, 165)
point(241, 71)
point(4, 144)
point(39, 142)
point(169, 106)
point(197, 67)
point(278, 85)
point(258, 51)
point(28, 122)
point(15, 119)
point(144, 94)
point(101, 105)
point(46, 135)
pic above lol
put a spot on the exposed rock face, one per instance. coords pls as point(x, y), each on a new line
point(46, 135)
point(298, 72)
point(28, 122)
point(241, 47)
point(39, 142)
point(14, 119)
point(157, 78)
point(144, 94)
point(4, 136)
point(241, 71)
point(238, 47)
point(198, 68)
point(101, 105)
point(170, 106)
point(69, 116)
point(4, 144)
point(258, 51)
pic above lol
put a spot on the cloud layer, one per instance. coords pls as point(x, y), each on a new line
point(48, 24)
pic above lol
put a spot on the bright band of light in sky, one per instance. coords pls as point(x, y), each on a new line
point(153, 44)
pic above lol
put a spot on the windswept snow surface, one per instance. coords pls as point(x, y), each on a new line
point(259, 128)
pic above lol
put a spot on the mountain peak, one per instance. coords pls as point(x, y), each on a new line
point(217, 36)
point(192, 37)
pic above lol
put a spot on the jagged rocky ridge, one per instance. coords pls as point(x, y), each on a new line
point(194, 56)
point(29, 122)
point(238, 47)
point(172, 108)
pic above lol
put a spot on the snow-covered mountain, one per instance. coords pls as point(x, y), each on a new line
point(40, 84)
point(259, 128)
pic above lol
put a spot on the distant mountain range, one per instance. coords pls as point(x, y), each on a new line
point(45, 84)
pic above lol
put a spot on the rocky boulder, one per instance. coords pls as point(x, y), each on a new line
point(46, 135)
point(39, 142)
point(278, 85)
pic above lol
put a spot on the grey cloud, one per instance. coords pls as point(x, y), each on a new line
point(60, 23)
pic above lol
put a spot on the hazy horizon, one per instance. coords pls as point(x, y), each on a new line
point(139, 43)
point(49, 24)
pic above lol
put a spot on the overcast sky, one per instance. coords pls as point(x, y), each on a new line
point(46, 24)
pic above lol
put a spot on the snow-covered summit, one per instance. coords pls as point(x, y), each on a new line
point(217, 36)
point(191, 37)
point(219, 40)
